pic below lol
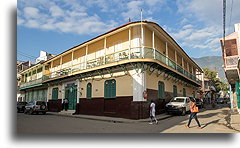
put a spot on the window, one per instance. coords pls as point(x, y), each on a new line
point(89, 91)
point(110, 89)
point(55, 93)
point(184, 92)
point(39, 70)
point(174, 91)
point(161, 90)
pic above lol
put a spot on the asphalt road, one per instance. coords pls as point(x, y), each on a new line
point(212, 120)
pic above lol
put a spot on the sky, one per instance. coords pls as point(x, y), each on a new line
point(55, 26)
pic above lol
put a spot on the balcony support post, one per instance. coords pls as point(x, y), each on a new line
point(105, 49)
point(167, 53)
point(72, 63)
point(129, 43)
point(86, 56)
point(153, 45)
point(142, 39)
point(166, 49)
point(61, 62)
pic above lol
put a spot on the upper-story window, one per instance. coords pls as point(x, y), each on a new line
point(39, 70)
point(231, 47)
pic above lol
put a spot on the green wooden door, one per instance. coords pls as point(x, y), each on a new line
point(71, 95)
point(237, 85)
point(55, 93)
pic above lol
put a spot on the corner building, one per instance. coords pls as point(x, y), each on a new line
point(108, 75)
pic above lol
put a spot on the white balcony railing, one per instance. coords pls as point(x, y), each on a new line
point(231, 61)
point(32, 82)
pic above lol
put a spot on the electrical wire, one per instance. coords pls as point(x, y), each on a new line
point(230, 15)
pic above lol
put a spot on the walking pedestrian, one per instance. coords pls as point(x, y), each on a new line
point(194, 111)
point(152, 113)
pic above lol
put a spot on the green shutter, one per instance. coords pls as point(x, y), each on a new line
point(113, 88)
point(89, 90)
point(161, 90)
point(55, 93)
point(174, 90)
point(110, 88)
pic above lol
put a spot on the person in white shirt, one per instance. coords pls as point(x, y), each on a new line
point(152, 113)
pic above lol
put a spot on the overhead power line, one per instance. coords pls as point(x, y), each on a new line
point(20, 52)
point(230, 14)
point(224, 20)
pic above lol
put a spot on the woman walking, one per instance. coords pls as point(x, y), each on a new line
point(194, 111)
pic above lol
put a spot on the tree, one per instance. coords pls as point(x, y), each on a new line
point(214, 81)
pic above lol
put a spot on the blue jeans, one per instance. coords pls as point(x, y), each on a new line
point(193, 115)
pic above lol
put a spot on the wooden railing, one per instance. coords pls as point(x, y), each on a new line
point(132, 53)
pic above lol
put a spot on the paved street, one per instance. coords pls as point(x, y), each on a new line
point(212, 120)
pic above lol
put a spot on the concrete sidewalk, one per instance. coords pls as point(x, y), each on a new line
point(109, 119)
point(235, 119)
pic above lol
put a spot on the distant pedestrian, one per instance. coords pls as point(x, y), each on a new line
point(152, 113)
point(65, 104)
point(194, 111)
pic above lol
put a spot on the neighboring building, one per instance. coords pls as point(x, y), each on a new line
point(28, 90)
point(111, 74)
point(44, 56)
point(21, 66)
point(231, 54)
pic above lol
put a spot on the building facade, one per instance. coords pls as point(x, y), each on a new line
point(231, 53)
point(118, 73)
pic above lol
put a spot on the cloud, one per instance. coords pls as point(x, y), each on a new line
point(133, 10)
point(31, 12)
point(67, 16)
point(201, 23)
point(56, 11)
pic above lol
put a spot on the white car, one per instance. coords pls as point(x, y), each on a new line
point(178, 105)
point(36, 107)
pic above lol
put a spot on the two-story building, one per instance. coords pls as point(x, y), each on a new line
point(117, 73)
point(231, 53)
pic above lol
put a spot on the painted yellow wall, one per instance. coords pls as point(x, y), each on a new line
point(179, 60)
point(135, 36)
point(95, 46)
point(152, 83)
point(79, 53)
point(123, 86)
point(159, 45)
point(171, 53)
point(59, 91)
point(148, 37)
point(56, 62)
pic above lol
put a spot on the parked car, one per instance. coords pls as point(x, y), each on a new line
point(178, 105)
point(199, 102)
point(36, 107)
point(21, 106)
point(220, 101)
point(227, 100)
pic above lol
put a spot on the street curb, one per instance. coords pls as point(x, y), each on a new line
point(108, 120)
